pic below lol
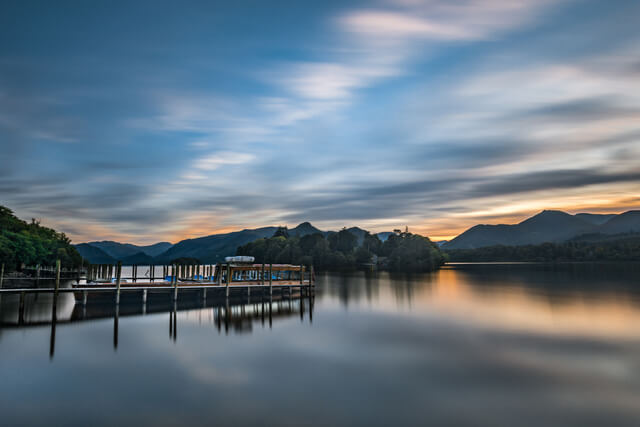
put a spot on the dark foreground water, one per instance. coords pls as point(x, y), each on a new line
point(469, 345)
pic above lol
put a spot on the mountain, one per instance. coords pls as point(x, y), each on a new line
point(214, 248)
point(624, 223)
point(120, 251)
point(94, 255)
point(547, 226)
point(139, 258)
point(305, 228)
point(597, 219)
point(155, 249)
point(208, 249)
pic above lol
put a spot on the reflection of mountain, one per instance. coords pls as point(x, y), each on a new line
point(599, 300)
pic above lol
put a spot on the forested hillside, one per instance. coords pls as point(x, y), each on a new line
point(30, 243)
point(345, 251)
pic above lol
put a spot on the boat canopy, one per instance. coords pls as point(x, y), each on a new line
point(239, 259)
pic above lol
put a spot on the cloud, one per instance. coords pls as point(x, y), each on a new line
point(215, 160)
point(394, 24)
point(398, 111)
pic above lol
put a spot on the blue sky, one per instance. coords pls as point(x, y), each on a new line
point(146, 121)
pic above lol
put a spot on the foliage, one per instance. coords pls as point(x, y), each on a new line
point(340, 251)
point(623, 249)
point(411, 252)
point(32, 244)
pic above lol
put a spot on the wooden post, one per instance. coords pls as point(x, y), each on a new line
point(263, 274)
point(219, 273)
point(228, 278)
point(21, 309)
point(57, 277)
point(175, 290)
point(52, 338)
point(134, 273)
point(1, 275)
point(270, 279)
point(152, 272)
point(118, 274)
point(115, 325)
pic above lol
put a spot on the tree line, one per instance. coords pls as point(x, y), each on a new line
point(627, 249)
point(342, 251)
point(30, 243)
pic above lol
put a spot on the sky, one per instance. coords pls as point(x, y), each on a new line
point(149, 120)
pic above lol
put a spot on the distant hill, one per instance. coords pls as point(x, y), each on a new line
point(139, 258)
point(208, 249)
point(214, 248)
point(627, 222)
point(547, 226)
point(94, 255)
point(122, 250)
point(304, 229)
point(597, 219)
point(586, 248)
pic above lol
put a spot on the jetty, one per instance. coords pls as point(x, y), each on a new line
point(236, 293)
point(236, 276)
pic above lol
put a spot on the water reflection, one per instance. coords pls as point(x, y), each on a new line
point(508, 345)
point(585, 299)
point(27, 310)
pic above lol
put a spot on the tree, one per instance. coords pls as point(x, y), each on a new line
point(31, 244)
point(343, 241)
point(282, 232)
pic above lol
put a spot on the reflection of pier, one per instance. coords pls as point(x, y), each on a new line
point(237, 313)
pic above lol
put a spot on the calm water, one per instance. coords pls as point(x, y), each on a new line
point(468, 345)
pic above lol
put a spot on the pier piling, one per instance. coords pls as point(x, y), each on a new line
point(118, 274)
point(57, 278)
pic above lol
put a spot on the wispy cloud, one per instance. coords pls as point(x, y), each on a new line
point(427, 113)
point(215, 160)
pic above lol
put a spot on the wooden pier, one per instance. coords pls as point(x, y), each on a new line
point(237, 294)
point(107, 281)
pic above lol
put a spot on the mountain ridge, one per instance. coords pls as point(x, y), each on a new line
point(208, 249)
point(547, 226)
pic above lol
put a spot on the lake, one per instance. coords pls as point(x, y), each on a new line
point(471, 344)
